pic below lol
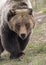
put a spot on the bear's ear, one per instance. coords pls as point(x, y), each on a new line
point(23, 4)
point(30, 11)
point(10, 14)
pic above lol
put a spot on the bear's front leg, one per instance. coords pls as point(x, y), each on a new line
point(10, 42)
point(15, 53)
point(1, 47)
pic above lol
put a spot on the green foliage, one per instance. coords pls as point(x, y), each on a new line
point(44, 11)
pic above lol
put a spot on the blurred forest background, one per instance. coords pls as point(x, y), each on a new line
point(38, 4)
point(35, 52)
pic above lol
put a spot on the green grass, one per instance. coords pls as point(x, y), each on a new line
point(35, 52)
point(44, 11)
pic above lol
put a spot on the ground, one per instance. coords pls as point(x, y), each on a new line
point(35, 52)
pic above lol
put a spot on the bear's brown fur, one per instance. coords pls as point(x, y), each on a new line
point(16, 26)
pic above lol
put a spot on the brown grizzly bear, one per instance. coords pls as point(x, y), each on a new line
point(16, 26)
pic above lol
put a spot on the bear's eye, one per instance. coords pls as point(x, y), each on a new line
point(27, 25)
point(17, 26)
point(30, 11)
point(10, 14)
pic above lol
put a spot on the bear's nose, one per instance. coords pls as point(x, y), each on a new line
point(23, 35)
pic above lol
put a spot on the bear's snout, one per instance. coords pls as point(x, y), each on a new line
point(23, 35)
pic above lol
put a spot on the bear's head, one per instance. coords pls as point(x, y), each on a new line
point(21, 22)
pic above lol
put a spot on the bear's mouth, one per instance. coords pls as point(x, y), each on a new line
point(22, 38)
